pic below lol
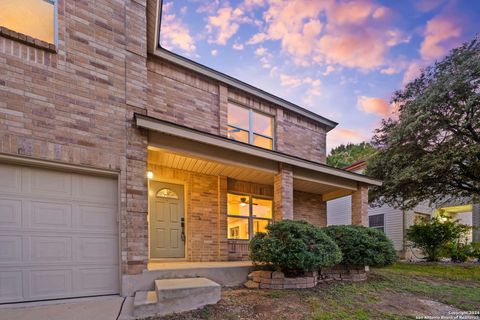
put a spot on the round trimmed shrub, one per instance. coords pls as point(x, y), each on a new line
point(362, 246)
point(292, 246)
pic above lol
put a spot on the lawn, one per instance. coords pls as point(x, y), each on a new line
point(402, 291)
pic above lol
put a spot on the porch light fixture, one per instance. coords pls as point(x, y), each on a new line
point(149, 175)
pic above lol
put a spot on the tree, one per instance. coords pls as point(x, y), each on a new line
point(345, 155)
point(433, 149)
point(433, 235)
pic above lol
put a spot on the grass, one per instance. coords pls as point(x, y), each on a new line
point(390, 293)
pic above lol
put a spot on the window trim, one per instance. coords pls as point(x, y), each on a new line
point(250, 216)
point(250, 131)
point(32, 41)
point(382, 227)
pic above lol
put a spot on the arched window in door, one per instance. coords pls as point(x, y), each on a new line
point(166, 193)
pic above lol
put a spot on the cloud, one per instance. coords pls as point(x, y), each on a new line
point(372, 105)
point(353, 12)
point(261, 51)
point(251, 4)
point(290, 81)
point(257, 38)
point(224, 24)
point(440, 35)
point(412, 71)
point(238, 46)
point(214, 52)
point(389, 71)
point(427, 5)
point(313, 91)
point(340, 136)
point(175, 34)
point(328, 70)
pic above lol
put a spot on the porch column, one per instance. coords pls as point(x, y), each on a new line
point(283, 193)
point(360, 207)
point(476, 222)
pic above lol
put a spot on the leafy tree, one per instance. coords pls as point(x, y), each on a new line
point(294, 246)
point(362, 246)
point(345, 155)
point(433, 149)
point(433, 236)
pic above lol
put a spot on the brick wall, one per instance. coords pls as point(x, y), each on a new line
point(309, 207)
point(360, 206)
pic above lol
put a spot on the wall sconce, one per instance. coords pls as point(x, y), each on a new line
point(149, 175)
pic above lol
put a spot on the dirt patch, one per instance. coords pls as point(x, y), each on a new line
point(412, 305)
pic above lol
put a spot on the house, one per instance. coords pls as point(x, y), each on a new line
point(117, 156)
point(395, 221)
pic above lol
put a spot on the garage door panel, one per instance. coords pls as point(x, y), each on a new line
point(11, 179)
point(10, 213)
point(48, 182)
point(97, 249)
point(50, 249)
point(98, 280)
point(11, 286)
point(97, 218)
point(51, 215)
point(10, 249)
point(50, 283)
point(58, 234)
point(94, 189)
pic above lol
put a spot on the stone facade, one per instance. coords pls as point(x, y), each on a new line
point(278, 280)
point(283, 193)
point(310, 207)
point(360, 207)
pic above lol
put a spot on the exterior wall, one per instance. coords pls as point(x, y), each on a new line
point(71, 105)
point(309, 207)
point(283, 193)
point(339, 211)
point(393, 219)
point(360, 207)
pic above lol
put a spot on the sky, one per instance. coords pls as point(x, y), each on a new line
point(340, 59)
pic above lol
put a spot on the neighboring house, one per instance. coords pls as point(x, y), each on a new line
point(115, 153)
point(394, 222)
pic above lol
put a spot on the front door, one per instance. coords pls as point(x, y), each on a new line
point(167, 220)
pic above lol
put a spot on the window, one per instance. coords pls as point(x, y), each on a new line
point(249, 126)
point(377, 221)
point(167, 193)
point(247, 215)
point(34, 18)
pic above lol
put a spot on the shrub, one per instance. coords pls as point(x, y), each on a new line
point(433, 235)
point(458, 251)
point(362, 246)
point(292, 246)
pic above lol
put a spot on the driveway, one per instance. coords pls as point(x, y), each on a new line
point(95, 308)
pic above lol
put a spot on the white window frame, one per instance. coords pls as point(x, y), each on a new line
point(250, 131)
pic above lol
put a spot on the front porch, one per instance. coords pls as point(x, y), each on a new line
point(224, 192)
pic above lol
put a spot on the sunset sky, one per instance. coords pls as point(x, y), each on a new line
point(340, 59)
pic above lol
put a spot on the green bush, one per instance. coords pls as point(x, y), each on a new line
point(292, 246)
point(458, 251)
point(362, 246)
point(433, 235)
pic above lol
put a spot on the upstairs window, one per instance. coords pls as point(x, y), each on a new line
point(249, 126)
point(377, 221)
point(33, 18)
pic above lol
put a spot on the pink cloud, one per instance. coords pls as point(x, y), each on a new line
point(290, 81)
point(340, 136)
point(372, 105)
point(440, 35)
point(175, 34)
point(352, 12)
point(225, 24)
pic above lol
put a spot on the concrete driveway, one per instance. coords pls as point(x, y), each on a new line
point(95, 308)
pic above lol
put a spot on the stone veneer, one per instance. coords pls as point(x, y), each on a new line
point(277, 280)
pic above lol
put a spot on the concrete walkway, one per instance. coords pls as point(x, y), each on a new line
point(95, 308)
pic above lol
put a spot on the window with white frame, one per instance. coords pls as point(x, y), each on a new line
point(377, 221)
point(247, 215)
point(33, 18)
point(249, 126)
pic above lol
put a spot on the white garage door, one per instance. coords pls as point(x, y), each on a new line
point(58, 234)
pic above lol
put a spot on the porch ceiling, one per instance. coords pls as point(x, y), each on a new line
point(165, 158)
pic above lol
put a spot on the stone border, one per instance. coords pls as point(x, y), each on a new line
point(261, 279)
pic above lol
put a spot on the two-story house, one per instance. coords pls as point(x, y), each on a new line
point(116, 154)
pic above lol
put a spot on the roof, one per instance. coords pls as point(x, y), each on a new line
point(356, 165)
point(229, 144)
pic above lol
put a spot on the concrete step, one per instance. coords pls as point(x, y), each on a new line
point(176, 295)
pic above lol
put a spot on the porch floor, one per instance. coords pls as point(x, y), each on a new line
point(178, 265)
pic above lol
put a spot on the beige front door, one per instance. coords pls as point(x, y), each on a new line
point(167, 220)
